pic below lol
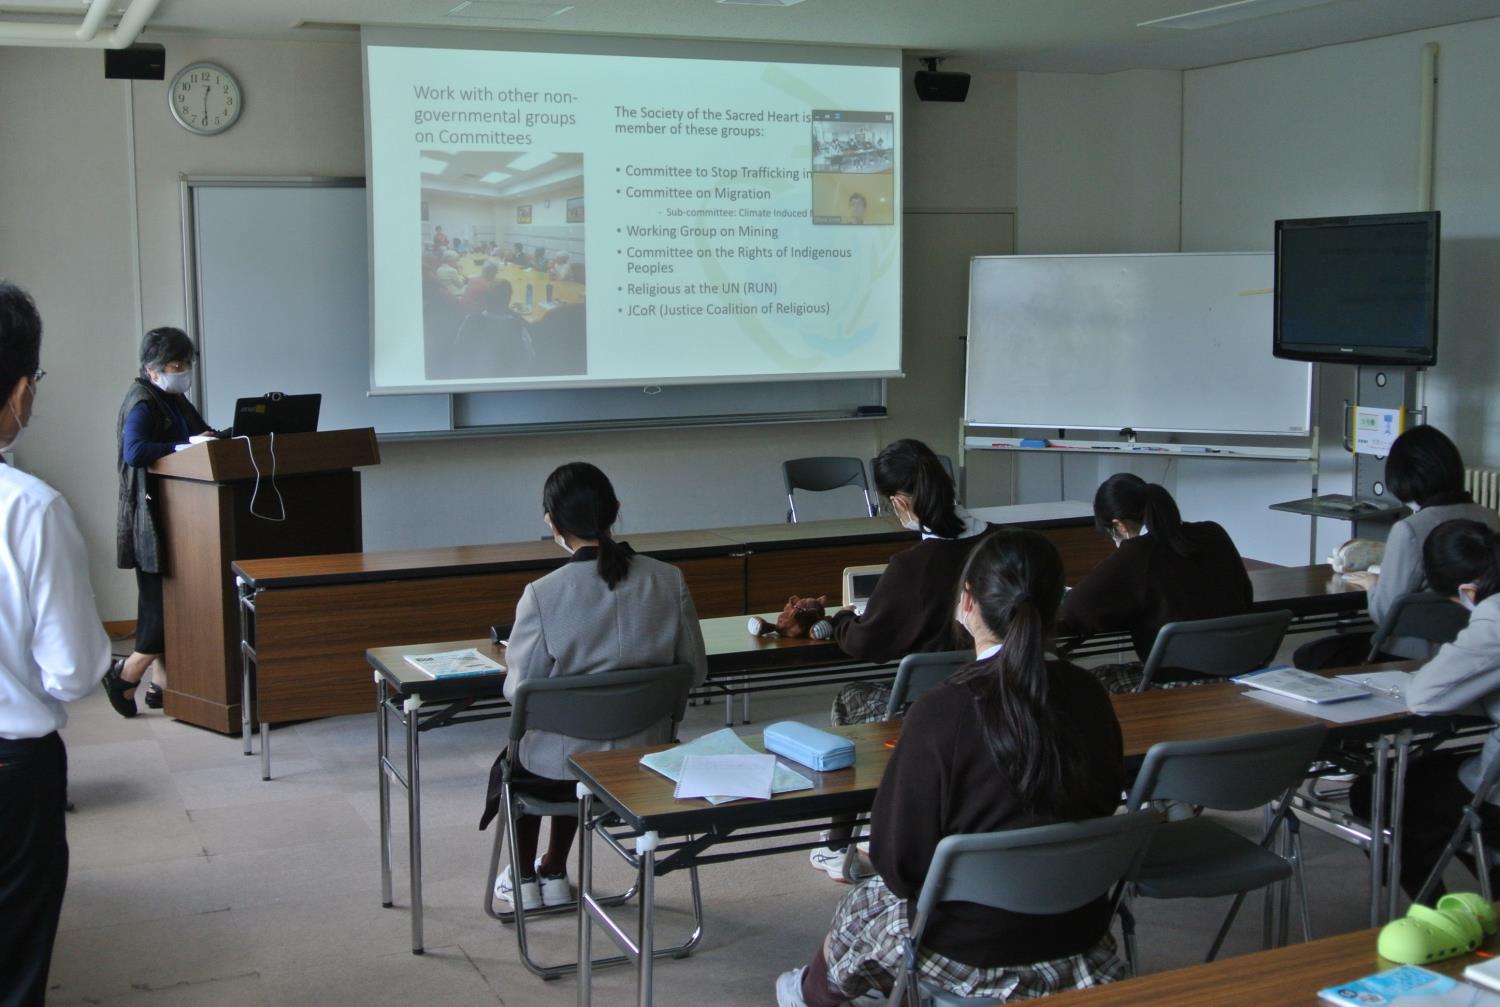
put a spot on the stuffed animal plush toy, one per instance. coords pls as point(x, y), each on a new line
point(800, 618)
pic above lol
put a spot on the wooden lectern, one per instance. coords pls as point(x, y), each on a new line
point(203, 497)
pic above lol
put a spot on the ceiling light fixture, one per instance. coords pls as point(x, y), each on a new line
point(507, 10)
point(529, 160)
point(760, 3)
point(495, 177)
point(432, 166)
point(1228, 13)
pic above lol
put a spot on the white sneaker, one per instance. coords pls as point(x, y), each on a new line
point(531, 892)
point(789, 989)
point(556, 891)
point(831, 862)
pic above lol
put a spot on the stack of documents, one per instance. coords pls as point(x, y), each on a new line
point(717, 780)
point(1365, 696)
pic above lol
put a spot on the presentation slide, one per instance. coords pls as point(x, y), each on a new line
point(555, 219)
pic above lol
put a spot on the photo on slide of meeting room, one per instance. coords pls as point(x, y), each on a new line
point(853, 167)
point(503, 264)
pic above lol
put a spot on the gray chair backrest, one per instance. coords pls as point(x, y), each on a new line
point(818, 475)
point(1423, 615)
point(1231, 774)
point(1222, 647)
point(1045, 870)
point(603, 706)
point(920, 672)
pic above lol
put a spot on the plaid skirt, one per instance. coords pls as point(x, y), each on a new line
point(866, 944)
point(1119, 679)
point(860, 703)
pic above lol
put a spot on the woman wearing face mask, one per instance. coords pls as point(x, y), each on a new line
point(1163, 570)
point(1461, 559)
point(911, 609)
point(1425, 470)
point(607, 609)
point(154, 419)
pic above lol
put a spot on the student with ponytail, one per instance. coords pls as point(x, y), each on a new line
point(910, 610)
point(1010, 742)
point(606, 609)
point(1460, 559)
point(1163, 570)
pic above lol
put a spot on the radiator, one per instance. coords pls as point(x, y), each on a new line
point(1484, 486)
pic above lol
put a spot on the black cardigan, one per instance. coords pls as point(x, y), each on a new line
point(911, 609)
point(1144, 585)
point(942, 780)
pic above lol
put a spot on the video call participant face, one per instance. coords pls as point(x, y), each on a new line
point(856, 209)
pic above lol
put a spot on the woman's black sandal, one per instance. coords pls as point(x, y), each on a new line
point(154, 696)
point(115, 688)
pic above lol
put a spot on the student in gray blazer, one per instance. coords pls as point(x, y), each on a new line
point(607, 609)
point(1425, 470)
point(1461, 559)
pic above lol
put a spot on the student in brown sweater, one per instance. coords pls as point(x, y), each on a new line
point(911, 609)
point(1163, 570)
point(1010, 742)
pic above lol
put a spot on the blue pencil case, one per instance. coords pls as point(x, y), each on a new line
point(808, 746)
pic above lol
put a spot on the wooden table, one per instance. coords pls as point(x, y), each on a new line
point(676, 834)
point(306, 621)
point(1289, 975)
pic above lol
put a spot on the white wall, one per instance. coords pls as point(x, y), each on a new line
point(67, 231)
point(1333, 131)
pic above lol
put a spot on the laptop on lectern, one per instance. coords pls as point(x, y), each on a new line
point(275, 413)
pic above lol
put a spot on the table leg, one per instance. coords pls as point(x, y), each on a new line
point(585, 892)
point(745, 699)
point(1377, 827)
point(1398, 809)
point(414, 818)
point(265, 747)
point(382, 752)
point(244, 663)
point(645, 849)
point(728, 703)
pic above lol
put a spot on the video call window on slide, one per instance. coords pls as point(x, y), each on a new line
point(853, 167)
point(503, 289)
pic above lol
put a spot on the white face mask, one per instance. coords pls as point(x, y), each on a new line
point(1466, 598)
point(909, 520)
point(15, 438)
point(174, 384)
point(557, 535)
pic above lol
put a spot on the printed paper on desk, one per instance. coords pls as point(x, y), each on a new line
point(726, 777)
point(668, 762)
point(1348, 712)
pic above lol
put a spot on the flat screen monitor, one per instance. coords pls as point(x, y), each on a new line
point(1358, 290)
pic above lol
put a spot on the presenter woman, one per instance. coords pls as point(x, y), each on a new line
point(607, 609)
point(1163, 570)
point(1010, 742)
point(154, 419)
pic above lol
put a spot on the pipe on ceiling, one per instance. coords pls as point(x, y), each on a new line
point(86, 35)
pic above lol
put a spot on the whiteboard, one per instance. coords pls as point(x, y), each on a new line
point(279, 288)
point(1178, 342)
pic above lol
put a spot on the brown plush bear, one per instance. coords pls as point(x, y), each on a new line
point(801, 617)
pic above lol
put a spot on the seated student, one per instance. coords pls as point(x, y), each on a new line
point(1424, 470)
point(911, 608)
point(1461, 559)
point(1163, 570)
point(1010, 742)
point(607, 609)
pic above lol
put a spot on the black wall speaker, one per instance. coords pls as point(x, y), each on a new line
point(942, 85)
point(142, 61)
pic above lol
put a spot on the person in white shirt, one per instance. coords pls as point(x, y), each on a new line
point(53, 650)
point(1460, 559)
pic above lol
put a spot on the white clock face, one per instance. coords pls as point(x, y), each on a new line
point(204, 98)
